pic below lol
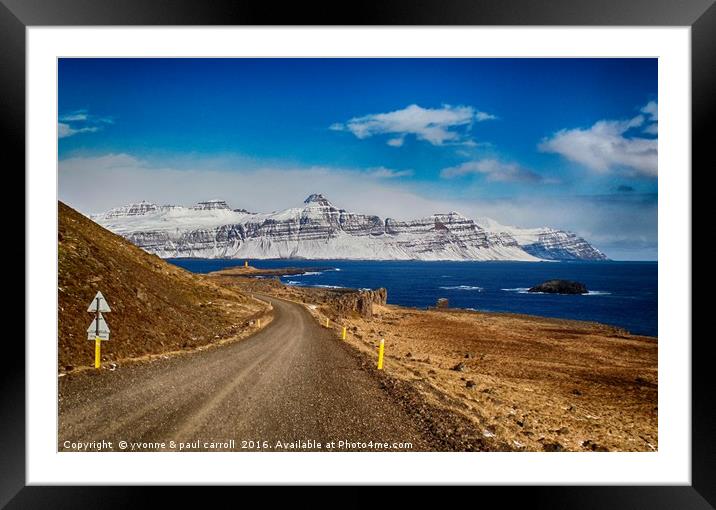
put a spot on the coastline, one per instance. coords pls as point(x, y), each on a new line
point(523, 382)
point(620, 294)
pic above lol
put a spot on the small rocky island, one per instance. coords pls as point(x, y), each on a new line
point(560, 287)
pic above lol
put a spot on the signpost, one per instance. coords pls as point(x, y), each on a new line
point(98, 330)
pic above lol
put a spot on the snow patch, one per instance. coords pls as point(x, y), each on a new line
point(318, 230)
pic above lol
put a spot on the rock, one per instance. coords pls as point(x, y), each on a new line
point(141, 294)
point(442, 303)
point(553, 447)
point(489, 432)
point(576, 392)
point(470, 384)
point(591, 445)
point(560, 287)
point(69, 368)
point(361, 302)
point(460, 367)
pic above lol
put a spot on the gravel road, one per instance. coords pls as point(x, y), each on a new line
point(293, 386)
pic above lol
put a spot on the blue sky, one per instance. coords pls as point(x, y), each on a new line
point(526, 141)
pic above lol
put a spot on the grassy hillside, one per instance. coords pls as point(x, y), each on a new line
point(156, 307)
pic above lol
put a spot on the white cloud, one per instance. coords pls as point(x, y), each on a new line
point(607, 145)
point(493, 169)
point(482, 116)
point(80, 121)
point(101, 163)
point(118, 179)
point(387, 173)
point(436, 126)
point(79, 115)
point(652, 129)
point(652, 110)
point(64, 130)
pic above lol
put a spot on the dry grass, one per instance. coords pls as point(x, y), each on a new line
point(156, 307)
point(537, 384)
point(533, 383)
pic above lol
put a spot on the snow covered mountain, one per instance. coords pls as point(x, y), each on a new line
point(318, 230)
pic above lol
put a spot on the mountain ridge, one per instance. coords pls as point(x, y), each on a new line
point(319, 230)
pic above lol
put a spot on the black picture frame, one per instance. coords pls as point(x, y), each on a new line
point(700, 15)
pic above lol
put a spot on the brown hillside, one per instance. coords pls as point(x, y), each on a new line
point(156, 307)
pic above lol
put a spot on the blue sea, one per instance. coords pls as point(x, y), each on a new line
point(623, 294)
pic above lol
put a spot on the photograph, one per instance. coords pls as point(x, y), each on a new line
point(357, 254)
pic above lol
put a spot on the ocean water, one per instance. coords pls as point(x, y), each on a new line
point(623, 294)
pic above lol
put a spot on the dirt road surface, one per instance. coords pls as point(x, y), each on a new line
point(292, 382)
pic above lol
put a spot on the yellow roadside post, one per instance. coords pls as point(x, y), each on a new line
point(246, 263)
point(98, 330)
point(326, 321)
point(96, 352)
point(343, 334)
point(381, 350)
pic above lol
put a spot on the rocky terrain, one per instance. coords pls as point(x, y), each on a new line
point(156, 307)
point(520, 382)
point(319, 230)
point(342, 301)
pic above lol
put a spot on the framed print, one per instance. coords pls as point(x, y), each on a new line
point(442, 245)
